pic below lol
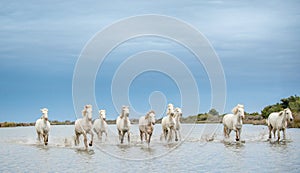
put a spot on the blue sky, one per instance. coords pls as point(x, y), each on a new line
point(40, 42)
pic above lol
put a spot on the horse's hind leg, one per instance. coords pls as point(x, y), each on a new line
point(270, 131)
point(85, 141)
point(141, 135)
point(76, 141)
point(225, 132)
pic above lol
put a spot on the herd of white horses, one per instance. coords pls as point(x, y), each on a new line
point(277, 121)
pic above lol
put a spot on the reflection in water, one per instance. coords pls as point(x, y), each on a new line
point(194, 153)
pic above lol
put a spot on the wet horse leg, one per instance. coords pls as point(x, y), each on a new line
point(76, 141)
point(45, 136)
point(92, 137)
point(128, 136)
point(237, 134)
point(278, 134)
point(270, 131)
point(141, 135)
point(85, 141)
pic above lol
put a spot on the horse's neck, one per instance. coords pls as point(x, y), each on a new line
point(177, 118)
point(102, 120)
point(284, 119)
point(238, 118)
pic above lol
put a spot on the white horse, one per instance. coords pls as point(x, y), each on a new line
point(84, 126)
point(278, 121)
point(146, 126)
point(42, 126)
point(234, 122)
point(177, 117)
point(100, 125)
point(123, 124)
point(168, 123)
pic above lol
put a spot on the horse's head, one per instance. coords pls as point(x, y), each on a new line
point(178, 113)
point(125, 111)
point(170, 109)
point(239, 110)
point(288, 114)
point(102, 114)
point(151, 117)
point(45, 113)
point(88, 112)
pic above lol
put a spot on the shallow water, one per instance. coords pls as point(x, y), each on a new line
point(202, 149)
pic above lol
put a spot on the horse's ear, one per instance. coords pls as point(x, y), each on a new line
point(280, 113)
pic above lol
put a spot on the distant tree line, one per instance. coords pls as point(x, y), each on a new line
point(292, 102)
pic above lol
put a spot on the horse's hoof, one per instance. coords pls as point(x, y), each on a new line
point(46, 143)
point(90, 144)
point(176, 139)
point(237, 139)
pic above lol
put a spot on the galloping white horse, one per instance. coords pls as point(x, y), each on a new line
point(234, 122)
point(123, 124)
point(84, 126)
point(278, 121)
point(146, 126)
point(100, 125)
point(177, 117)
point(168, 123)
point(42, 126)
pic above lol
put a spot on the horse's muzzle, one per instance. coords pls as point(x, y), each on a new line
point(291, 119)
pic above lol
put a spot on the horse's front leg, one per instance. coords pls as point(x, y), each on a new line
point(85, 140)
point(100, 136)
point(46, 139)
point(105, 135)
point(166, 134)
point(170, 135)
point(278, 133)
point(179, 134)
point(176, 138)
point(92, 138)
point(122, 137)
point(39, 136)
point(284, 137)
point(274, 133)
point(237, 134)
point(128, 136)
point(149, 138)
